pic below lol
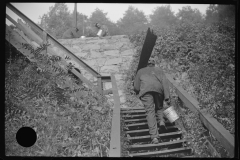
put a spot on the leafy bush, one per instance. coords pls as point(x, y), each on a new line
point(201, 59)
point(68, 118)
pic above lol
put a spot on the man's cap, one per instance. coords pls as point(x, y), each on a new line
point(96, 24)
point(151, 60)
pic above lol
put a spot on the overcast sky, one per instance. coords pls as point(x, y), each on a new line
point(114, 11)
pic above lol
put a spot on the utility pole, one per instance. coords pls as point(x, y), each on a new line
point(83, 24)
point(75, 16)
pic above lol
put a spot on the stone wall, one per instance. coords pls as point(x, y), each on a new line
point(107, 55)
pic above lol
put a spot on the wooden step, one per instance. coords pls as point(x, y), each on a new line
point(132, 108)
point(143, 123)
point(156, 145)
point(134, 120)
point(133, 111)
point(169, 151)
point(160, 135)
point(147, 130)
point(137, 124)
point(131, 116)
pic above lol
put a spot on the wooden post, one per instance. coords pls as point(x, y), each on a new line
point(100, 85)
point(75, 16)
point(45, 39)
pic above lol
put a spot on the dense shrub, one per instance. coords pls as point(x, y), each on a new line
point(68, 118)
point(201, 59)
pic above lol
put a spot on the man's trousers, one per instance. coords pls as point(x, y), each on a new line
point(148, 100)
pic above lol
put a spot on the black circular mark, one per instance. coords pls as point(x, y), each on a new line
point(26, 136)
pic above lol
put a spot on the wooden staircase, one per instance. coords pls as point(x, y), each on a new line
point(134, 117)
point(171, 141)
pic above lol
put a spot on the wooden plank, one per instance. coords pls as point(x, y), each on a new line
point(131, 116)
point(115, 144)
point(134, 111)
point(108, 91)
point(169, 151)
point(54, 41)
point(17, 40)
point(134, 120)
point(188, 100)
point(45, 36)
point(35, 37)
point(217, 129)
point(137, 124)
point(89, 83)
point(132, 108)
point(100, 85)
point(138, 131)
point(156, 145)
point(145, 130)
point(160, 135)
point(213, 151)
point(106, 79)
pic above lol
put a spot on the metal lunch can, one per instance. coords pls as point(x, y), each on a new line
point(99, 32)
point(171, 114)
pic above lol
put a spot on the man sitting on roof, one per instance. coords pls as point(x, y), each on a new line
point(71, 33)
point(102, 30)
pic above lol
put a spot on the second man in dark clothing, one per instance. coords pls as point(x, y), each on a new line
point(71, 33)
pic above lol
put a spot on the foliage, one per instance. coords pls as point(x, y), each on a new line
point(57, 20)
point(189, 15)
point(69, 119)
point(220, 13)
point(201, 58)
point(132, 21)
point(163, 17)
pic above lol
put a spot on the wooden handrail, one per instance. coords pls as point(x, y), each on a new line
point(217, 129)
point(115, 143)
point(35, 37)
point(39, 40)
point(40, 30)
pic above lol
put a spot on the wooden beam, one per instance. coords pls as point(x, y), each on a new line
point(217, 129)
point(100, 85)
point(213, 151)
point(35, 37)
point(115, 144)
point(156, 145)
point(53, 40)
point(106, 79)
point(169, 151)
point(11, 20)
point(108, 91)
point(80, 76)
point(159, 135)
point(16, 40)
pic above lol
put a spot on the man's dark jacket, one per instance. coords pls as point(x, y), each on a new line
point(146, 81)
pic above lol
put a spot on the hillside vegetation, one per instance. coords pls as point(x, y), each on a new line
point(69, 119)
